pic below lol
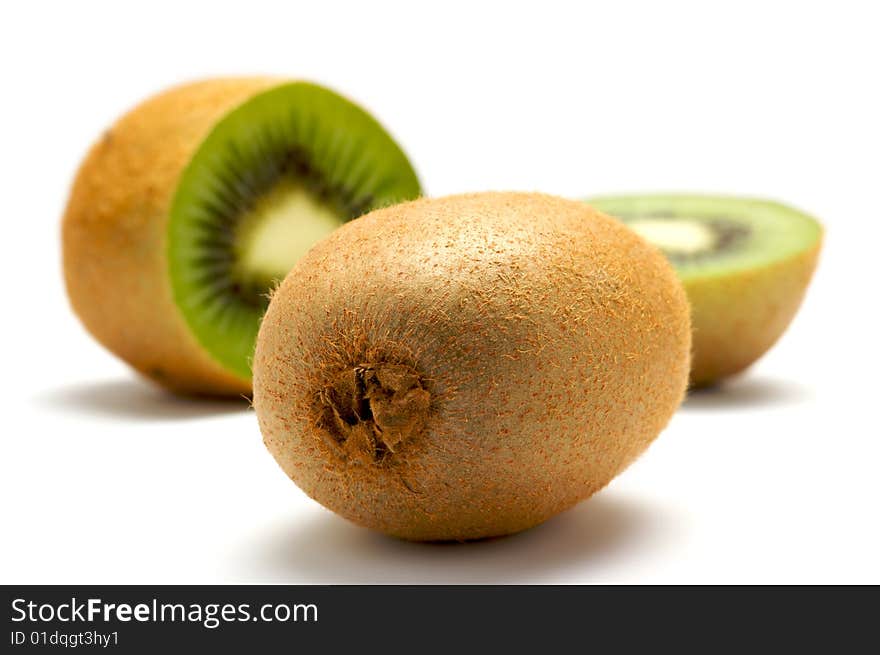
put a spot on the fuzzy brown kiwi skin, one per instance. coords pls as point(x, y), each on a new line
point(546, 346)
point(114, 234)
point(738, 317)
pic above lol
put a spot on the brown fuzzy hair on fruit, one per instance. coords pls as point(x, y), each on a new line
point(467, 367)
point(196, 203)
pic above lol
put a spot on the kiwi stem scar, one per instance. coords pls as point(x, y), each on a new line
point(368, 412)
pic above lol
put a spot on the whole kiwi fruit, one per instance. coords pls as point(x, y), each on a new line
point(745, 263)
point(193, 205)
point(469, 366)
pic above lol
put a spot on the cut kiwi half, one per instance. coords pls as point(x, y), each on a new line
point(745, 264)
point(196, 205)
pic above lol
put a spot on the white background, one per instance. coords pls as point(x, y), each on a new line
point(773, 478)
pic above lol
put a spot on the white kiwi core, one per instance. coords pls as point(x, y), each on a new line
point(282, 226)
point(676, 236)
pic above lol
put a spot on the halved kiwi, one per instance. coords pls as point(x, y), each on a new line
point(193, 206)
point(745, 264)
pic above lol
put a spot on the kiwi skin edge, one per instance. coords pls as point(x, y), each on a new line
point(114, 231)
point(467, 367)
point(738, 317)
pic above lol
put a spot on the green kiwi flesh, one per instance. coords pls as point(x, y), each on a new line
point(706, 235)
point(273, 177)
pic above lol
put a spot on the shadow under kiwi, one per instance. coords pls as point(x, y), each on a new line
point(746, 392)
point(131, 399)
point(329, 550)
